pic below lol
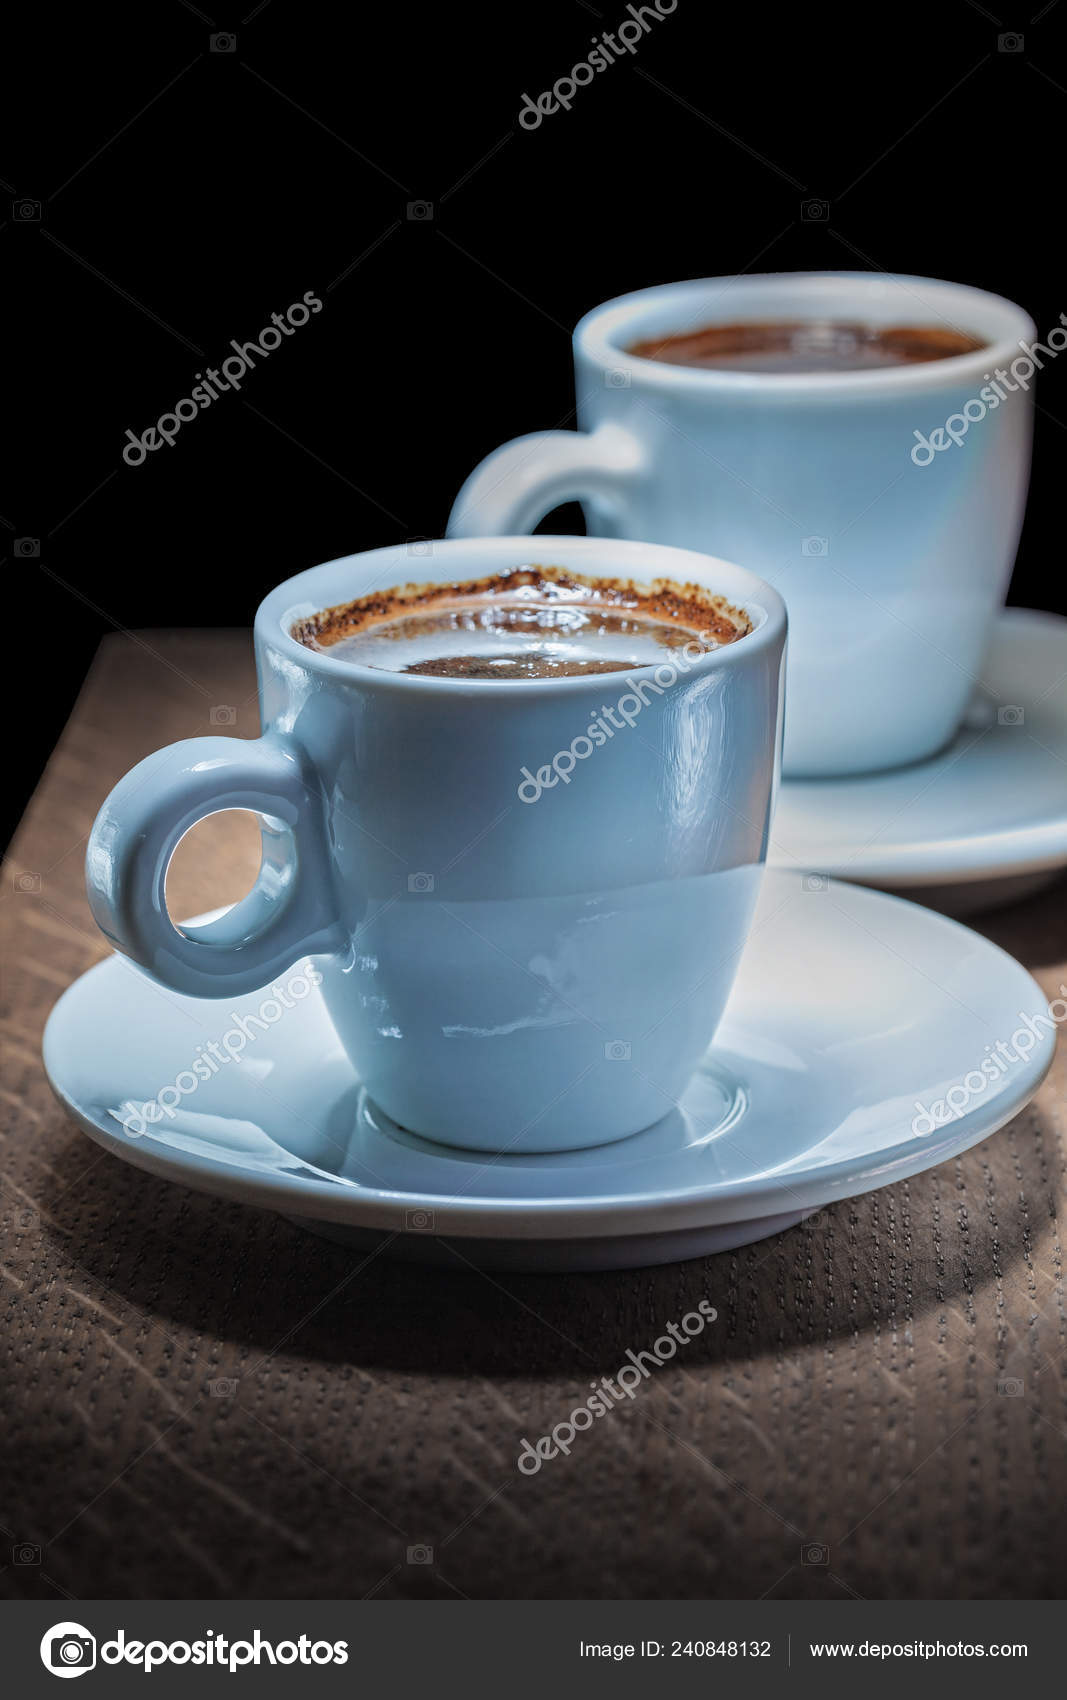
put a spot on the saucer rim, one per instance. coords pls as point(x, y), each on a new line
point(550, 1219)
point(961, 859)
point(572, 1217)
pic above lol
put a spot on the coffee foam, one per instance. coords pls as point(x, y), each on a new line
point(807, 345)
point(526, 622)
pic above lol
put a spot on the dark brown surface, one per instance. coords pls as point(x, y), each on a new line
point(847, 1395)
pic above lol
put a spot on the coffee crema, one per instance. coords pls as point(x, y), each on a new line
point(529, 622)
point(807, 346)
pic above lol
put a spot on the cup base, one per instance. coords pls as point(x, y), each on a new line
point(815, 768)
point(715, 1101)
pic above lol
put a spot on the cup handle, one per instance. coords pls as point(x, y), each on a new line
point(289, 913)
point(517, 485)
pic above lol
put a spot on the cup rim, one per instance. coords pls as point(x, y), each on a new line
point(599, 335)
point(298, 596)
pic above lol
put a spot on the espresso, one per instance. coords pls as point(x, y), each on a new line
point(529, 622)
point(807, 345)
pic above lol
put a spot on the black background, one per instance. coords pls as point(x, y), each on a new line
point(186, 194)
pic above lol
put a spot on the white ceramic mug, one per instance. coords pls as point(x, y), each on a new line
point(527, 931)
point(893, 557)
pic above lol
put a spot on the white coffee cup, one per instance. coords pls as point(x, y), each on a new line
point(885, 505)
point(527, 899)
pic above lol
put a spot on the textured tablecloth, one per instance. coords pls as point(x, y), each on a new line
point(839, 1431)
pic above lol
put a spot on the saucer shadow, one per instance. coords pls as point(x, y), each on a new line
point(232, 1273)
point(1033, 931)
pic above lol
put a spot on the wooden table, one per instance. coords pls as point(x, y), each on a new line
point(846, 1399)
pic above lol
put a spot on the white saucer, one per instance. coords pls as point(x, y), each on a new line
point(850, 1008)
point(983, 822)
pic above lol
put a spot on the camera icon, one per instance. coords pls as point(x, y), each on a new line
point(1010, 715)
point(223, 42)
point(27, 883)
point(24, 1553)
point(223, 715)
point(27, 548)
point(68, 1649)
point(815, 882)
point(1010, 43)
point(1011, 1389)
point(420, 1555)
point(420, 882)
point(225, 1387)
point(815, 546)
point(815, 1553)
point(419, 1221)
point(618, 378)
point(617, 1050)
point(419, 546)
point(814, 212)
point(26, 212)
point(420, 212)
